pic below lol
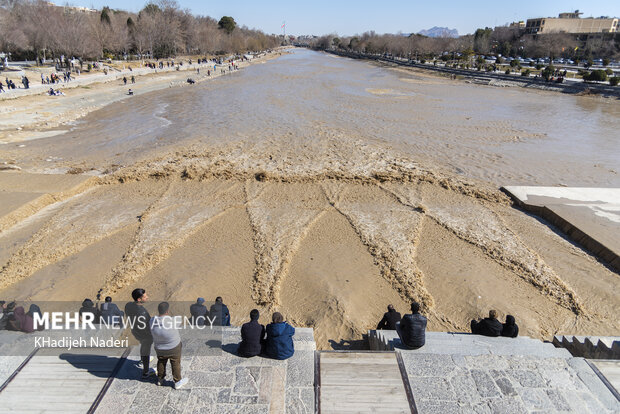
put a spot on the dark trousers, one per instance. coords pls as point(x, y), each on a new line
point(174, 355)
point(145, 353)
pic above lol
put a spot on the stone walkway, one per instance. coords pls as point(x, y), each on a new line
point(505, 384)
point(220, 381)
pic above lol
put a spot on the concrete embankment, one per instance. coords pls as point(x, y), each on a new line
point(493, 78)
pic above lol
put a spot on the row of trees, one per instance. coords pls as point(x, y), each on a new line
point(505, 41)
point(34, 28)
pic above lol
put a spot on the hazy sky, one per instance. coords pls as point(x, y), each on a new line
point(383, 16)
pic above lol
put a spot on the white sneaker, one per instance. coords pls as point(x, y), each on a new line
point(178, 385)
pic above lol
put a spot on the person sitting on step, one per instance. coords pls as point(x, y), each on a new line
point(488, 326)
point(252, 336)
point(199, 313)
point(390, 319)
point(510, 328)
point(219, 313)
point(279, 342)
point(412, 328)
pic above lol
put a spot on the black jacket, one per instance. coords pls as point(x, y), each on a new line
point(487, 327)
point(413, 330)
point(111, 314)
point(510, 328)
point(199, 314)
point(219, 314)
point(89, 307)
point(389, 320)
point(139, 321)
point(252, 338)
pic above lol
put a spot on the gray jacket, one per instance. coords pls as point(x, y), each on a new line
point(165, 335)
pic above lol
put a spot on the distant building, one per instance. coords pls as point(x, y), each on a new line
point(519, 25)
point(571, 23)
point(73, 8)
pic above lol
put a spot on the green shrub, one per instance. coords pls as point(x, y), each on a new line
point(606, 62)
point(548, 72)
point(609, 72)
point(596, 76)
point(614, 81)
point(526, 72)
point(507, 72)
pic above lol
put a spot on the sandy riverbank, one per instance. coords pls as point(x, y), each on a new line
point(322, 225)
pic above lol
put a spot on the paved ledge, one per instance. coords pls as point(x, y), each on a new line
point(505, 384)
point(220, 381)
point(589, 216)
point(449, 343)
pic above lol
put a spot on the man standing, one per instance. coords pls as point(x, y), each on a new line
point(252, 336)
point(199, 312)
point(412, 328)
point(488, 326)
point(390, 319)
point(168, 345)
point(138, 318)
point(219, 313)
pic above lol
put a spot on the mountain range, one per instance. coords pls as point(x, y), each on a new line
point(439, 32)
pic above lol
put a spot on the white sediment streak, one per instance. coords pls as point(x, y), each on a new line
point(280, 220)
point(179, 213)
point(84, 221)
point(390, 231)
point(473, 221)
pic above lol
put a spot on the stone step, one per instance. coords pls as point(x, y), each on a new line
point(594, 347)
point(447, 343)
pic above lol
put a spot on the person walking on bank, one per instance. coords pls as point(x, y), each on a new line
point(138, 318)
point(279, 342)
point(412, 328)
point(488, 326)
point(390, 319)
point(252, 336)
point(168, 345)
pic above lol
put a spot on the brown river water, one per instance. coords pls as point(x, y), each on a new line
point(505, 136)
point(322, 187)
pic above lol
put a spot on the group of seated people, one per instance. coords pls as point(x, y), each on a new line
point(15, 318)
point(274, 341)
point(411, 328)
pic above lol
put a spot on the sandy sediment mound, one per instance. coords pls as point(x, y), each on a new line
point(85, 220)
point(280, 216)
point(180, 212)
point(389, 229)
